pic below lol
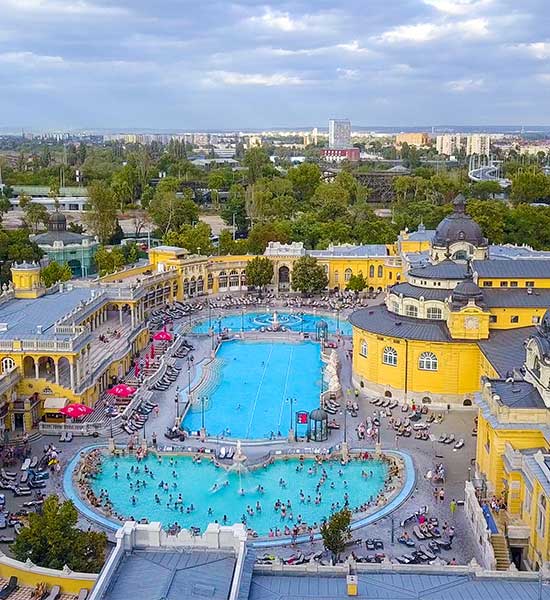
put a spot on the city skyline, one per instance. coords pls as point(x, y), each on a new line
point(96, 64)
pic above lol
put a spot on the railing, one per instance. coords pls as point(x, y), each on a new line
point(8, 379)
point(86, 428)
point(70, 329)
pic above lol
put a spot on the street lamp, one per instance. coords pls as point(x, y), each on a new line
point(291, 401)
point(177, 401)
point(203, 399)
point(242, 320)
point(189, 364)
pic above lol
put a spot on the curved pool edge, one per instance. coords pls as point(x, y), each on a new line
point(407, 489)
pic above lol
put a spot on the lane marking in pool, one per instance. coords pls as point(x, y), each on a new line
point(285, 388)
point(258, 391)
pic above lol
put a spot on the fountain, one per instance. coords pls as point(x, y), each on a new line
point(275, 321)
point(238, 466)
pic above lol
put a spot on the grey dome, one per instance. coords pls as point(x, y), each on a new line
point(459, 226)
point(467, 290)
point(57, 222)
point(318, 415)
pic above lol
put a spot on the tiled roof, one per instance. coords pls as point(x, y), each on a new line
point(177, 575)
point(351, 251)
point(394, 586)
point(526, 268)
point(519, 394)
point(517, 297)
point(504, 349)
point(446, 269)
point(379, 319)
point(413, 291)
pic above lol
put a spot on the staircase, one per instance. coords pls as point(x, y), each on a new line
point(501, 550)
point(212, 374)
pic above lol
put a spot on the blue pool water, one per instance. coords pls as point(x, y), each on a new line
point(248, 398)
point(206, 486)
point(253, 321)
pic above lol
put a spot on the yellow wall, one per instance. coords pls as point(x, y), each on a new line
point(524, 317)
point(521, 283)
point(26, 577)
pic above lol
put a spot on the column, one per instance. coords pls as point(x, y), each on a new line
point(77, 369)
point(36, 369)
point(56, 363)
point(132, 314)
point(120, 315)
point(71, 365)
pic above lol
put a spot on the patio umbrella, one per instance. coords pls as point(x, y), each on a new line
point(147, 362)
point(136, 369)
point(75, 410)
point(152, 350)
point(122, 390)
point(162, 336)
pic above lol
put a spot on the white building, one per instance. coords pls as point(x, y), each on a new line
point(449, 144)
point(478, 144)
point(339, 133)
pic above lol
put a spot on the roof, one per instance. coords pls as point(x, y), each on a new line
point(519, 394)
point(446, 269)
point(517, 297)
point(44, 190)
point(55, 403)
point(67, 237)
point(522, 268)
point(378, 319)
point(394, 586)
point(504, 349)
point(351, 251)
point(511, 252)
point(422, 235)
point(172, 575)
point(23, 315)
point(413, 291)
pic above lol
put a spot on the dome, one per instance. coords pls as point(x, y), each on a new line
point(459, 226)
point(467, 290)
point(318, 415)
point(57, 222)
point(544, 327)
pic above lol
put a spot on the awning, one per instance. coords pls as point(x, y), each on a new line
point(55, 404)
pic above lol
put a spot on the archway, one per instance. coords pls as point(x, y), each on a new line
point(46, 367)
point(284, 277)
point(64, 369)
point(7, 364)
point(28, 367)
point(76, 267)
point(467, 402)
point(387, 394)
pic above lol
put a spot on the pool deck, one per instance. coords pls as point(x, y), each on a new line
point(398, 499)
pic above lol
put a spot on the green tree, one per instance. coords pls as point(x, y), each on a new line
point(259, 272)
point(101, 211)
point(52, 540)
point(255, 160)
point(196, 239)
point(336, 533)
point(55, 273)
point(491, 216)
point(34, 215)
point(262, 233)
point(304, 179)
point(332, 201)
point(234, 210)
point(308, 276)
point(485, 189)
point(170, 213)
point(529, 186)
point(74, 227)
point(24, 200)
point(356, 283)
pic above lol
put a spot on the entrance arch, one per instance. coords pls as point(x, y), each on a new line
point(76, 267)
point(284, 277)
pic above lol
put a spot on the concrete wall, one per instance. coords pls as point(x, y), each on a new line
point(479, 527)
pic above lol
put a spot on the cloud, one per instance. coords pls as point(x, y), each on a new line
point(284, 22)
point(232, 78)
point(353, 47)
point(540, 50)
point(30, 60)
point(465, 85)
point(350, 74)
point(458, 7)
point(62, 7)
point(420, 33)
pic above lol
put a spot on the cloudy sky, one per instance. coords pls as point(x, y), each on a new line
point(224, 64)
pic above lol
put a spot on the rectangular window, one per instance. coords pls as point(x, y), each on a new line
point(503, 284)
point(527, 502)
point(535, 320)
point(514, 319)
point(529, 284)
point(493, 319)
point(513, 284)
point(487, 284)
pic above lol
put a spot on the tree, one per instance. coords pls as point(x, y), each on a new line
point(52, 540)
point(308, 276)
point(356, 283)
point(54, 273)
point(332, 201)
point(101, 212)
point(304, 178)
point(530, 186)
point(24, 200)
point(259, 272)
point(336, 533)
point(35, 214)
point(196, 239)
point(485, 189)
point(234, 210)
point(108, 261)
point(262, 233)
point(170, 213)
point(75, 227)
point(255, 159)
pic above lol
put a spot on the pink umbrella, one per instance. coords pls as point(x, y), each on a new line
point(152, 350)
point(146, 362)
point(122, 389)
point(75, 410)
point(136, 369)
point(162, 336)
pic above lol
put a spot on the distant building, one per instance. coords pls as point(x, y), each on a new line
point(449, 144)
point(70, 198)
point(340, 154)
point(412, 139)
point(253, 141)
point(339, 133)
point(478, 144)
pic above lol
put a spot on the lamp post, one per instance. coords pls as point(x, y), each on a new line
point(177, 401)
point(189, 364)
point(203, 399)
point(291, 438)
point(242, 320)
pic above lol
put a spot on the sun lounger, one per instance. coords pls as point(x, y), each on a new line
point(24, 477)
point(459, 444)
point(83, 594)
point(54, 594)
point(26, 464)
point(8, 589)
point(419, 535)
point(8, 474)
point(34, 462)
point(450, 439)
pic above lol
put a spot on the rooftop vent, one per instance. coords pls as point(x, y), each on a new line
point(3, 326)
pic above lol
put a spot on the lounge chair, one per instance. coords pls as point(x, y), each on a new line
point(6, 591)
point(442, 438)
point(34, 462)
point(26, 464)
point(54, 594)
point(83, 594)
point(450, 439)
point(8, 474)
point(3, 521)
point(24, 478)
point(419, 535)
point(459, 444)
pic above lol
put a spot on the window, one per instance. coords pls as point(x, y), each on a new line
point(394, 307)
point(336, 276)
point(434, 313)
point(514, 319)
point(535, 320)
point(503, 284)
point(492, 319)
point(347, 274)
point(371, 271)
point(364, 348)
point(529, 284)
point(513, 284)
point(527, 501)
point(411, 310)
point(380, 271)
point(541, 515)
point(390, 275)
point(389, 357)
point(7, 364)
point(487, 284)
point(428, 361)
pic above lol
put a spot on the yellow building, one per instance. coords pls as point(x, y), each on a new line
point(415, 138)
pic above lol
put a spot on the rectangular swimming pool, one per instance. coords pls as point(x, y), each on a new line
point(250, 385)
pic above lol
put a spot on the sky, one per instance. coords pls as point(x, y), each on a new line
point(213, 64)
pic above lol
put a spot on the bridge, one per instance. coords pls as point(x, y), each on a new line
point(486, 168)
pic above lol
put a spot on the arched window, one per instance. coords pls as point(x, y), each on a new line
point(347, 274)
point(380, 271)
point(433, 312)
point(427, 361)
point(411, 310)
point(541, 516)
point(389, 356)
point(210, 281)
point(7, 364)
point(335, 276)
point(364, 348)
point(371, 271)
point(394, 307)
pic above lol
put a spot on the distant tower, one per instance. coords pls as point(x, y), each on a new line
point(339, 133)
point(26, 280)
